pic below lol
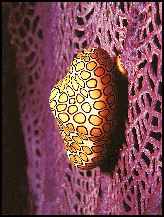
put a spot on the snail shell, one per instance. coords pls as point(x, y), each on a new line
point(84, 104)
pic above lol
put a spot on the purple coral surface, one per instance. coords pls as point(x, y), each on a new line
point(46, 36)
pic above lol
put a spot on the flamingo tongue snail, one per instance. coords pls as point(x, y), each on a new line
point(84, 104)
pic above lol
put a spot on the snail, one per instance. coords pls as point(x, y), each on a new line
point(84, 104)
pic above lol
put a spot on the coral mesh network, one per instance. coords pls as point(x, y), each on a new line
point(84, 104)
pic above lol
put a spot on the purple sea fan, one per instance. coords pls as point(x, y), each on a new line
point(46, 37)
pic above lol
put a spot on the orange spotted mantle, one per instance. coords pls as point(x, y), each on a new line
point(84, 105)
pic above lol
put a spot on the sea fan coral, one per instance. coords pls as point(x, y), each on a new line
point(46, 37)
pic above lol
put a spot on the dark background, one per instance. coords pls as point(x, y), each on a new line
point(14, 178)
